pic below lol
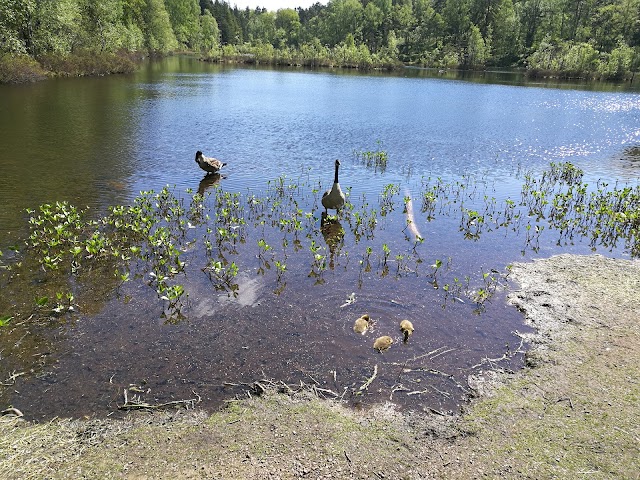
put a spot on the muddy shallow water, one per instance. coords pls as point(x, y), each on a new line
point(296, 324)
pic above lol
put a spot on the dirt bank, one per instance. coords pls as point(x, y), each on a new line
point(572, 414)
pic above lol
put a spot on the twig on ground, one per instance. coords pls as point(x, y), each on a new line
point(366, 384)
point(135, 403)
point(565, 399)
point(11, 379)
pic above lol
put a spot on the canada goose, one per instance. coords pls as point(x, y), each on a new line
point(382, 343)
point(406, 327)
point(362, 324)
point(333, 198)
point(208, 164)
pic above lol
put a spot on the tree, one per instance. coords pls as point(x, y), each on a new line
point(530, 14)
point(157, 30)
point(403, 22)
point(58, 26)
point(288, 21)
point(184, 15)
point(102, 24)
point(342, 17)
point(456, 15)
point(210, 40)
point(372, 22)
point(505, 37)
point(17, 25)
point(428, 30)
point(476, 48)
point(262, 28)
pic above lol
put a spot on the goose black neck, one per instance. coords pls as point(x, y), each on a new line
point(335, 180)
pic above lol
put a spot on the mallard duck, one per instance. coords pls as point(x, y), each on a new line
point(406, 327)
point(382, 343)
point(208, 164)
point(333, 198)
point(362, 324)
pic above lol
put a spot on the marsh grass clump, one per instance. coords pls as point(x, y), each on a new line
point(376, 159)
point(562, 172)
point(150, 235)
point(387, 198)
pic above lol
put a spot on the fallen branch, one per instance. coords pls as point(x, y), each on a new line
point(397, 388)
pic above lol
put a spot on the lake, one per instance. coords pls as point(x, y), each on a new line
point(472, 141)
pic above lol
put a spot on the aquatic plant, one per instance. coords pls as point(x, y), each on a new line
point(386, 198)
point(162, 237)
point(376, 159)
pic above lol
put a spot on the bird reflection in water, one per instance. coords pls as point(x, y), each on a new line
point(333, 234)
point(208, 181)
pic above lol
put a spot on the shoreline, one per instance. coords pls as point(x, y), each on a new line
point(570, 413)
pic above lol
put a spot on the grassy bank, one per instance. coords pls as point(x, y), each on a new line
point(571, 414)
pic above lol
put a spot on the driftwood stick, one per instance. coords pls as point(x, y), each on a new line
point(366, 384)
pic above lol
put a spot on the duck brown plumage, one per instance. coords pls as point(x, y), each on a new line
point(208, 164)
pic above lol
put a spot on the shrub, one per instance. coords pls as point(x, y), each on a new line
point(87, 63)
point(20, 69)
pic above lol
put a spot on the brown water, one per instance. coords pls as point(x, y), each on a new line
point(98, 142)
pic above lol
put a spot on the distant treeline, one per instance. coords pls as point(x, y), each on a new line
point(586, 38)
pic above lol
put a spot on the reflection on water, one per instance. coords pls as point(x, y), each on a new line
point(333, 235)
point(208, 181)
point(98, 142)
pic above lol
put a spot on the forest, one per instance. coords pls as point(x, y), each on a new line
point(567, 38)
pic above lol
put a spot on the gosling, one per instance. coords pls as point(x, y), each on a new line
point(406, 327)
point(382, 343)
point(362, 324)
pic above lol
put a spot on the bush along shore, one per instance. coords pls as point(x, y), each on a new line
point(25, 69)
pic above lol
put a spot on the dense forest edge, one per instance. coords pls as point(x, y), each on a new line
point(565, 38)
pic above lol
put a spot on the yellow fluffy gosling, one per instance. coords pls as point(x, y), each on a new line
point(406, 327)
point(382, 343)
point(362, 324)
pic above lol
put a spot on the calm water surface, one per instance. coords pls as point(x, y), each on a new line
point(100, 141)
